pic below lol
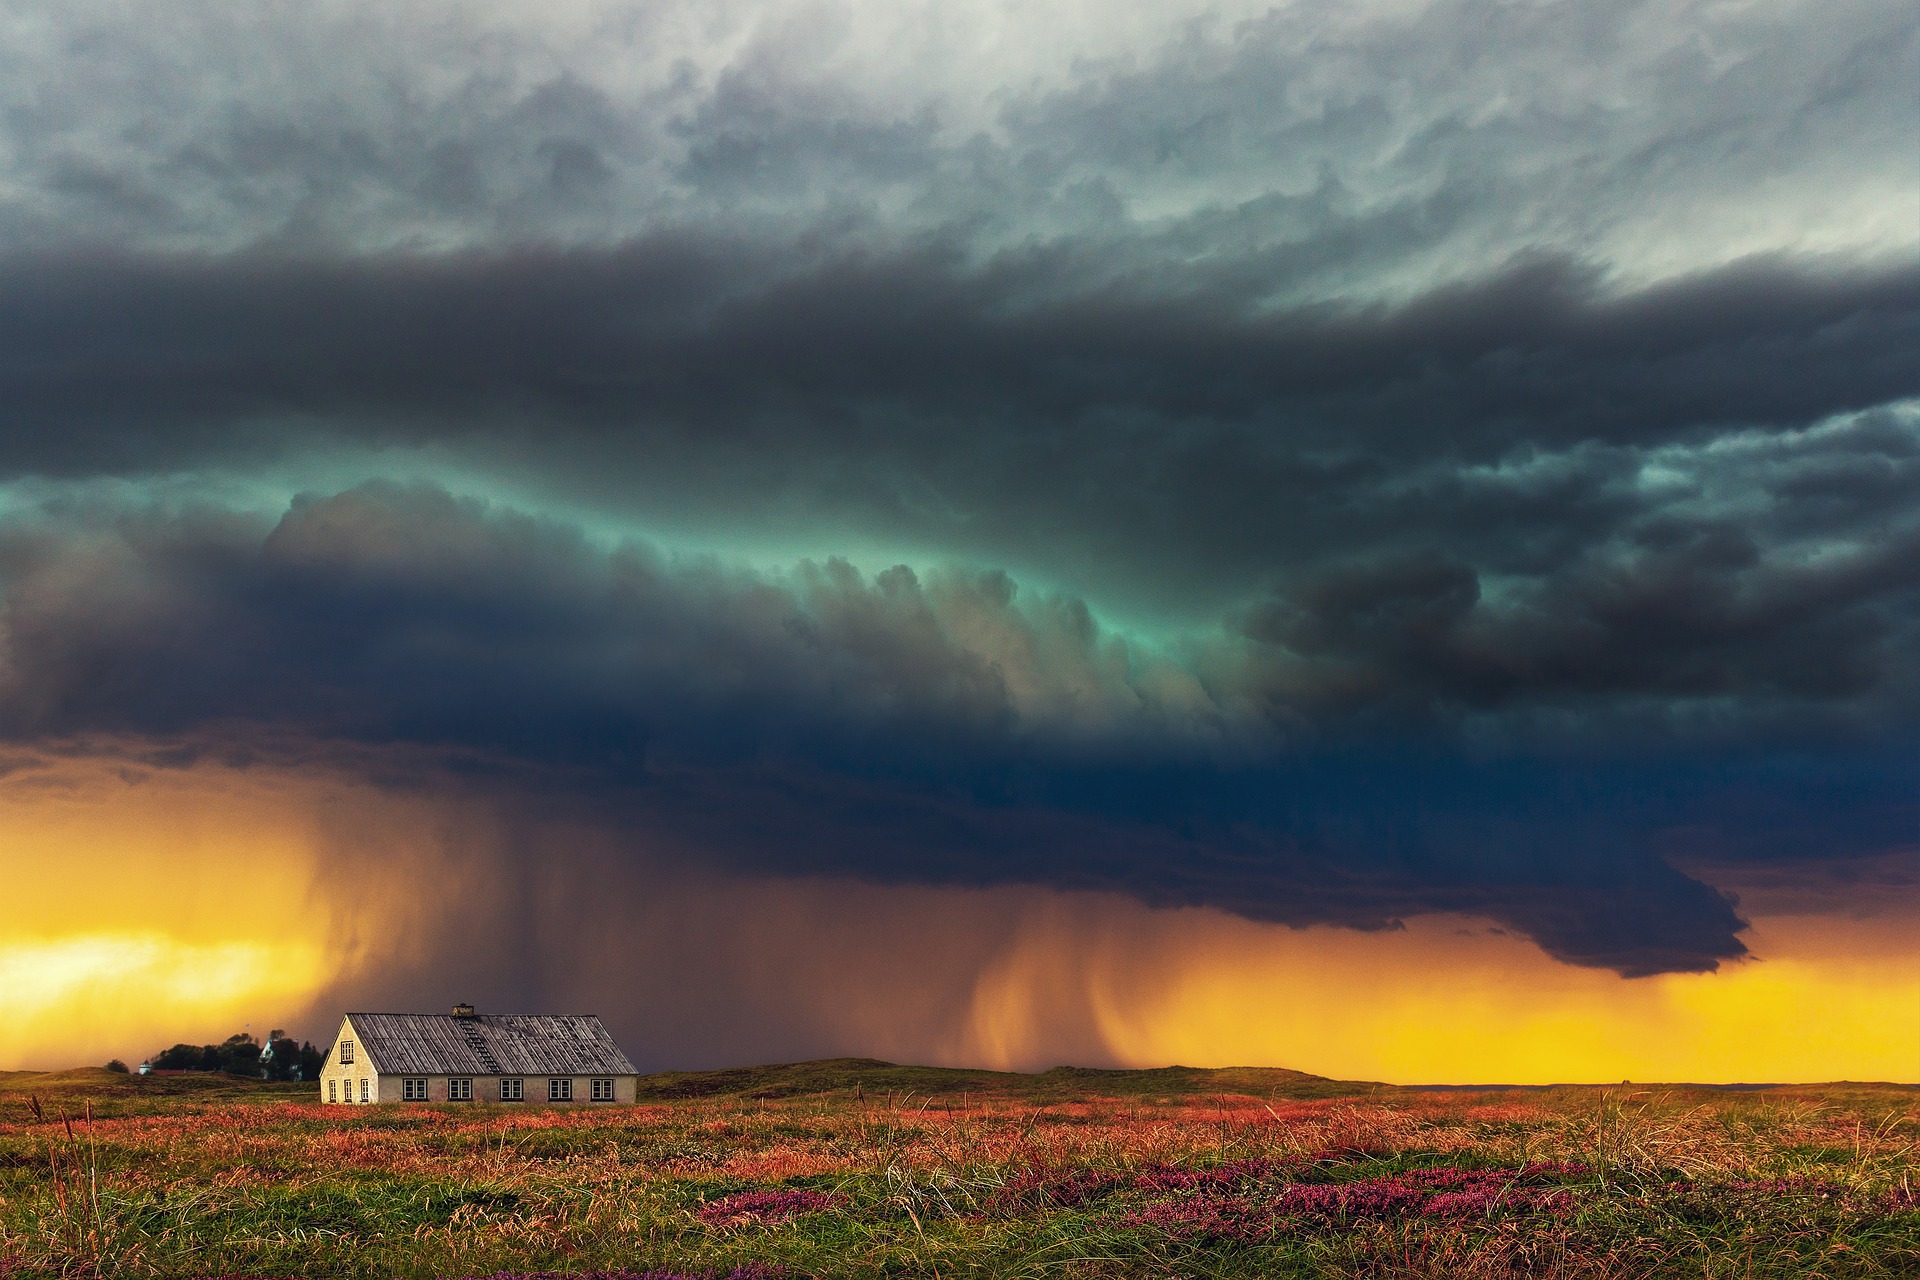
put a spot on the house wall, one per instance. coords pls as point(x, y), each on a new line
point(487, 1089)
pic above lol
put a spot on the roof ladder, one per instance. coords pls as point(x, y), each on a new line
point(478, 1043)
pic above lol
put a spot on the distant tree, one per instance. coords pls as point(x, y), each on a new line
point(239, 1055)
point(289, 1059)
point(116, 1066)
point(182, 1057)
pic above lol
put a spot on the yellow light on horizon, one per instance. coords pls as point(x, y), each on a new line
point(145, 907)
point(1450, 1001)
point(87, 997)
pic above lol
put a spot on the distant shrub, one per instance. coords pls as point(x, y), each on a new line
point(116, 1066)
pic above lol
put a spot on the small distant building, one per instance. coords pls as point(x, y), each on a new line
point(466, 1056)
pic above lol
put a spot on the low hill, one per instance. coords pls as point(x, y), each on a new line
point(875, 1078)
point(114, 1092)
point(108, 1093)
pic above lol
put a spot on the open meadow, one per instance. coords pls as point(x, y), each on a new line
point(862, 1169)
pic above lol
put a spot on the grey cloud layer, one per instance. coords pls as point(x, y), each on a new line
point(1355, 147)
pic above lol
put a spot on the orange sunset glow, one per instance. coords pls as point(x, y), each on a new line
point(164, 904)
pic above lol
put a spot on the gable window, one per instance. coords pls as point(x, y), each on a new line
point(346, 1052)
point(413, 1089)
point(333, 1091)
point(559, 1090)
point(459, 1091)
point(366, 1086)
point(603, 1091)
point(512, 1090)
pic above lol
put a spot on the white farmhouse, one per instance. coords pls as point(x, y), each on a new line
point(471, 1057)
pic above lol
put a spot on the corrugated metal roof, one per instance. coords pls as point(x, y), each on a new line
point(491, 1044)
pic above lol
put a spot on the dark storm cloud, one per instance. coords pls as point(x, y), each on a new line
point(1150, 314)
point(1607, 538)
point(892, 729)
point(686, 329)
point(1191, 443)
point(1685, 613)
point(1490, 431)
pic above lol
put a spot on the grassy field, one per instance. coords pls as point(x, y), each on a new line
point(864, 1169)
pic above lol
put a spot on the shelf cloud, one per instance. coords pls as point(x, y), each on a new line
point(1313, 765)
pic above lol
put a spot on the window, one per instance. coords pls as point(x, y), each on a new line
point(559, 1090)
point(413, 1089)
point(346, 1052)
point(366, 1089)
point(512, 1090)
point(603, 1091)
point(459, 1091)
point(333, 1089)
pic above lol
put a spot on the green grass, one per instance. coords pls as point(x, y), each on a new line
point(110, 1093)
point(935, 1172)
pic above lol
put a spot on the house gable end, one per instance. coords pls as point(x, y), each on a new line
point(365, 1056)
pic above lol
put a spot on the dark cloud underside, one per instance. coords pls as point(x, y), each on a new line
point(893, 729)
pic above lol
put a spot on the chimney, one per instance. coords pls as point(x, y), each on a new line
point(463, 1011)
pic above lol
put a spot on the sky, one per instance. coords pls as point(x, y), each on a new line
point(1374, 536)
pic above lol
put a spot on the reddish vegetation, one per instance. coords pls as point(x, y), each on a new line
point(1246, 1202)
point(1389, 1183)
point(752, 1271)
point(758, 1208)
